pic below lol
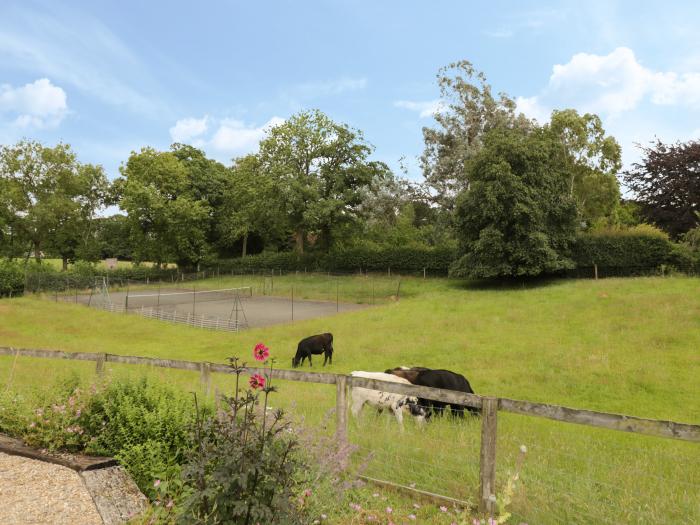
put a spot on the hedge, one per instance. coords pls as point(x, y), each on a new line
point(623, 253)
point(399, 260)
point(11, 278)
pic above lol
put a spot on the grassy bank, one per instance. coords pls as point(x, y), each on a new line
point(617, 345)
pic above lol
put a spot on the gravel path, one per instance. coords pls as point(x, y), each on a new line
point(35, 492)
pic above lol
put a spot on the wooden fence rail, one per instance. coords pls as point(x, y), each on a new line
point(489, 406)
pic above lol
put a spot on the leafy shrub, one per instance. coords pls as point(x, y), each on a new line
point(11, 278)
point(243, 466)
point(630, 251)
point(145, 425)
point(409, 260)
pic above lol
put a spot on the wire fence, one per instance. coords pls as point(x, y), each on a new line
point(569, 474)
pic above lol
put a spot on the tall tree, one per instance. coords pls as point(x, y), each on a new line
point(319, 168)
point(518, 217)
point(667, 185)
point(467, 111)
point(251, 204)
point(49, 199)
point(170, 219)
point(593, 159)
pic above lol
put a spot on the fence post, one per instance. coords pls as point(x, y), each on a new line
point(100, 364)
point(337, 296)
point(487, 464)
point(341, 410)
point(595, 271)
point(205, 377)
point(292, 302)
point(398, 291)
point(423, 273)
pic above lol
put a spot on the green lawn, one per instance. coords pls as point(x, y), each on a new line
point(618, 345)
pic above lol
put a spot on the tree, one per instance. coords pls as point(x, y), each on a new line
point(593, 161)
point(319, 169)
point(169, 218)
point(518, 217)
point(468, 110)
point(49, 199)
point(667, 185)
point(250, 204)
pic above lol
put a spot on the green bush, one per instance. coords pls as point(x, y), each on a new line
point(145, 425)
point(406, 260)
point(11, 278)
point(633, 251)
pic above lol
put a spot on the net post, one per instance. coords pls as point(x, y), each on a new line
point(100, 364)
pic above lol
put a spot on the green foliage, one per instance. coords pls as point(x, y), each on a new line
point(407, 259)
point(11, 278)
point(517, 218)
point(169, 198)
point(319, 170)
point(144, 424)
point(630, 251)
point(48, 200)
point(469, 111)
point(592, 162)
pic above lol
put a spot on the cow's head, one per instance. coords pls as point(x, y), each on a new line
point(295, 362)
point(408, 374)
point(416, 410)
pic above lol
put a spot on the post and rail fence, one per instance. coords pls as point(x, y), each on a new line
point(489, 406)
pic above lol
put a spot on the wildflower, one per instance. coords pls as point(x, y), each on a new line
point(39, 412)
point(170, 504)
point(32, 424)
point(412, 517)
point(389, 510)
point(476, 521)
point(261, 352)
point(323, 516)
point(492, 521)
point(156, 483)
point(523, 449)
point(416, 506)
point(257, 381)
point(78, 412)
point(307, 493)
point(375, 495)
point(355, 507)
point(443, 508)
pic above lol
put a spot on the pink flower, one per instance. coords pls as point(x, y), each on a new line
point(492, 521)
point(443, 508)
point(156, 483)
point(256, 381)
point(32, 424)
point(170, 504)
point(355, 507)
point(307, 493)
point(389, 510)
point(261, 352)
point(411, 516)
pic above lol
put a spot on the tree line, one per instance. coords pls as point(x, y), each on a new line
point(508, 193)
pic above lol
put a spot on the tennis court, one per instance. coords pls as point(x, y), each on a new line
point(237, 304)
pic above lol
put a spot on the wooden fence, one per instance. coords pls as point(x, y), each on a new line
point(489, 406)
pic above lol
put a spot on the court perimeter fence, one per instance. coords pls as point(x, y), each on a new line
point(487, 485)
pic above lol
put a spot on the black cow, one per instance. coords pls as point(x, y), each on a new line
point(437, 379)
point(315, 344)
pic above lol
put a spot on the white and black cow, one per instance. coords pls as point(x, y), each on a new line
point(382, 400)
point(437, 379)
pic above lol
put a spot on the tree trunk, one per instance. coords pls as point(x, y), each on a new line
point(244, 252)
point(65, 264)
point(299, 240)
point(37, 251)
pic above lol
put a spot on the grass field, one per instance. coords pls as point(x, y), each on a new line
point(617, 345)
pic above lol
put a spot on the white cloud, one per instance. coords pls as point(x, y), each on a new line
point(425, 109)
point(77, 49)
point(39, 104)
point(229, 137)
point(186, 129)
point(612, 84)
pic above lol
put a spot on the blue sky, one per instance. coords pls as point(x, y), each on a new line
point(111, 77)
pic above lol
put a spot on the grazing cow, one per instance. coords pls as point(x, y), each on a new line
point(315, 344)
point(437, 379)
point(381, 400)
